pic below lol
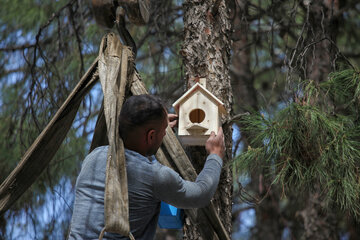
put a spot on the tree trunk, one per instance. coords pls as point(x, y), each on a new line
point(320, 61)
point(267, 212)
point(241, 74)
point(323, 23)
point(319, 224)
point(206, 53)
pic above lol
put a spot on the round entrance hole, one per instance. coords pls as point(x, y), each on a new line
point(197, 115)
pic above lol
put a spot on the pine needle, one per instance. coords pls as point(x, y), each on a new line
point(310, 144)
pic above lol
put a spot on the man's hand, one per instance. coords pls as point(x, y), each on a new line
point(173, 119)
point(216, 144)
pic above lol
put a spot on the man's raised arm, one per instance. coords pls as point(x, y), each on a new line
point(171, 188)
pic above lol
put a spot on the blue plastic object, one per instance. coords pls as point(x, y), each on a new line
point(170, 217)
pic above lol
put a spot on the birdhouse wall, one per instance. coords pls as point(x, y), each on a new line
point(198, 100)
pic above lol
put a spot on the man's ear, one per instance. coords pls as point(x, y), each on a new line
point(150, 136)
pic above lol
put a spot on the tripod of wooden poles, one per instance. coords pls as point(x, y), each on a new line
point(116, 70)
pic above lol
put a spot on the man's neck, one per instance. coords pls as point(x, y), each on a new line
point(135, 147)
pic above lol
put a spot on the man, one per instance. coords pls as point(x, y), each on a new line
point(143, 121)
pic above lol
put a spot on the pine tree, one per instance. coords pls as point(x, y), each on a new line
point(206, 54)
point(311, 146)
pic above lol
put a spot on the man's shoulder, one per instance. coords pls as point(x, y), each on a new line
point(95, 156)
point(165, 175)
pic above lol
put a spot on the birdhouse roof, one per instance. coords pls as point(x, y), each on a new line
point(198, 87)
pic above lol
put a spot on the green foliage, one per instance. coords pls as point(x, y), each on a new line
point(34, 82)
point(308, 144)
point(45, 47)
point(344, 90)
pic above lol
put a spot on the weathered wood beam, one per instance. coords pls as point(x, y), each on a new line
point(40, 153)
point(114, 59)
point(187, 171)
point(100, 133)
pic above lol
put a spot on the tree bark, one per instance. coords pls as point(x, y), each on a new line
point(206, 53)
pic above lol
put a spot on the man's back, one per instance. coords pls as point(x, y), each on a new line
point(148, 183)
point(88, 215)
point(142, 126)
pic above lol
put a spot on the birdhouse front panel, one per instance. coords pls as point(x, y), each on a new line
point(199, 115)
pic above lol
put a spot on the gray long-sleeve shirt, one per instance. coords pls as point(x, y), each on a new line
point(149, 182)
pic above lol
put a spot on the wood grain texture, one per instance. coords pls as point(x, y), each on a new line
point(100, 133)
point(113, 72)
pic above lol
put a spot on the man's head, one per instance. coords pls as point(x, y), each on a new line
point(142, 124)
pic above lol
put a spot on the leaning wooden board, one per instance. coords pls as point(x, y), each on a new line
point(114, 59)
point(40, 153)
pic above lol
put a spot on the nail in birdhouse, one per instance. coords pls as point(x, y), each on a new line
point(199, 113)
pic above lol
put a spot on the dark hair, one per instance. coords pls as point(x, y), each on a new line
point(139, 110)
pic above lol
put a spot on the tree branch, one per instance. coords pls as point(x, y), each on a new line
point(78, 40)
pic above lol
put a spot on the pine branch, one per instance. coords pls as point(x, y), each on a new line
point(308, 144)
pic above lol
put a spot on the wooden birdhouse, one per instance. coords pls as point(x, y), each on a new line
point(199, 113)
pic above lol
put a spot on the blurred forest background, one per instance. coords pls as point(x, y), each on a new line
point(293, 67)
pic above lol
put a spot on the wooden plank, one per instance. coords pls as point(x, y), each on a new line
point(160, 156)
point(113, 72)
point(187, 171)
point(40, 153)
point(100, 132)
